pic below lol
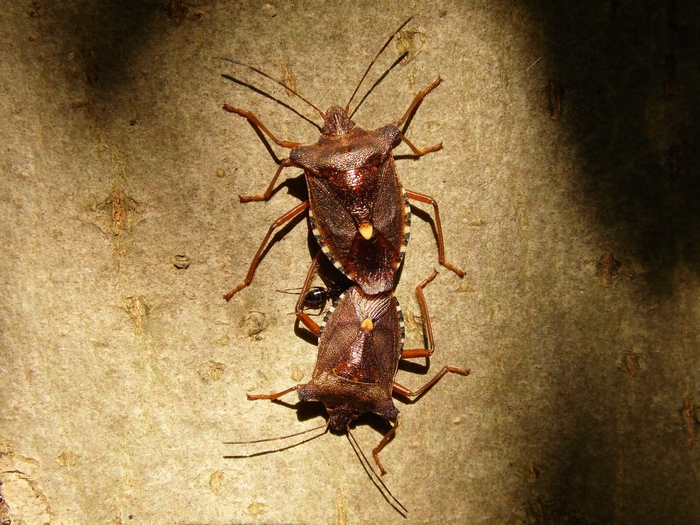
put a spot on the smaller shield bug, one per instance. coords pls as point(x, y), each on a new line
point(360, 344)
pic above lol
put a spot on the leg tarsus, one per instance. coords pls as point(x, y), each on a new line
point(272, 397)
point(256, 121)
point(420, 152)
point(402, 390)
point(427, 199)
point(294, 212)
point(284, 163)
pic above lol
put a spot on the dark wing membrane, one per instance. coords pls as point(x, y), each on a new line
point(389, 209)
point(387, 344)
point(374, 262)
point(336, 232)
point(339, 333)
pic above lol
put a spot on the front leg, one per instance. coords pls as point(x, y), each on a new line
point(284, 163)
point(416, 101)
point(273, 397)
point(256, 122)
point(420, 152)
point(291, 214)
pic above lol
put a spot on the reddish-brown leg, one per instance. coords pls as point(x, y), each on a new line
point(294, 212)
point(301, 315)
point(308, 322)
point(416, 353)
point(284, 163)
point(384, 441)
point(272, 397)
point(438, 226)
point(423, 352)
point(402, 390)
point(420, 152)
point(417, 100)
point(256, 121)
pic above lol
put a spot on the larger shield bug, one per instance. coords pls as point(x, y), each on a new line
point(358, 210)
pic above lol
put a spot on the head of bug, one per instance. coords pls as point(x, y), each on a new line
point(336, 121)
point(340, 417)
point(346, 410)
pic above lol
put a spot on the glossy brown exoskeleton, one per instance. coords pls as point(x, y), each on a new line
point(358, 211)
point(360, 344)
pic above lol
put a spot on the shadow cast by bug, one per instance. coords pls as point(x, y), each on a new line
point(414, 367)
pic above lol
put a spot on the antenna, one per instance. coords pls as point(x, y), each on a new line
point(258, 71)
point(374, 60)
point(265, 440)
point(365, 463)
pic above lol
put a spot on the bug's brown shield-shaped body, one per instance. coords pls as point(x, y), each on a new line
point(359, 348)
point(358, 211)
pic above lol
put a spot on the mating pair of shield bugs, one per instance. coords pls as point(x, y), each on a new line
point(361, 217)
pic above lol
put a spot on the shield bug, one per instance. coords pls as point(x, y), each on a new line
point(358, 210)
point(360, 344)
